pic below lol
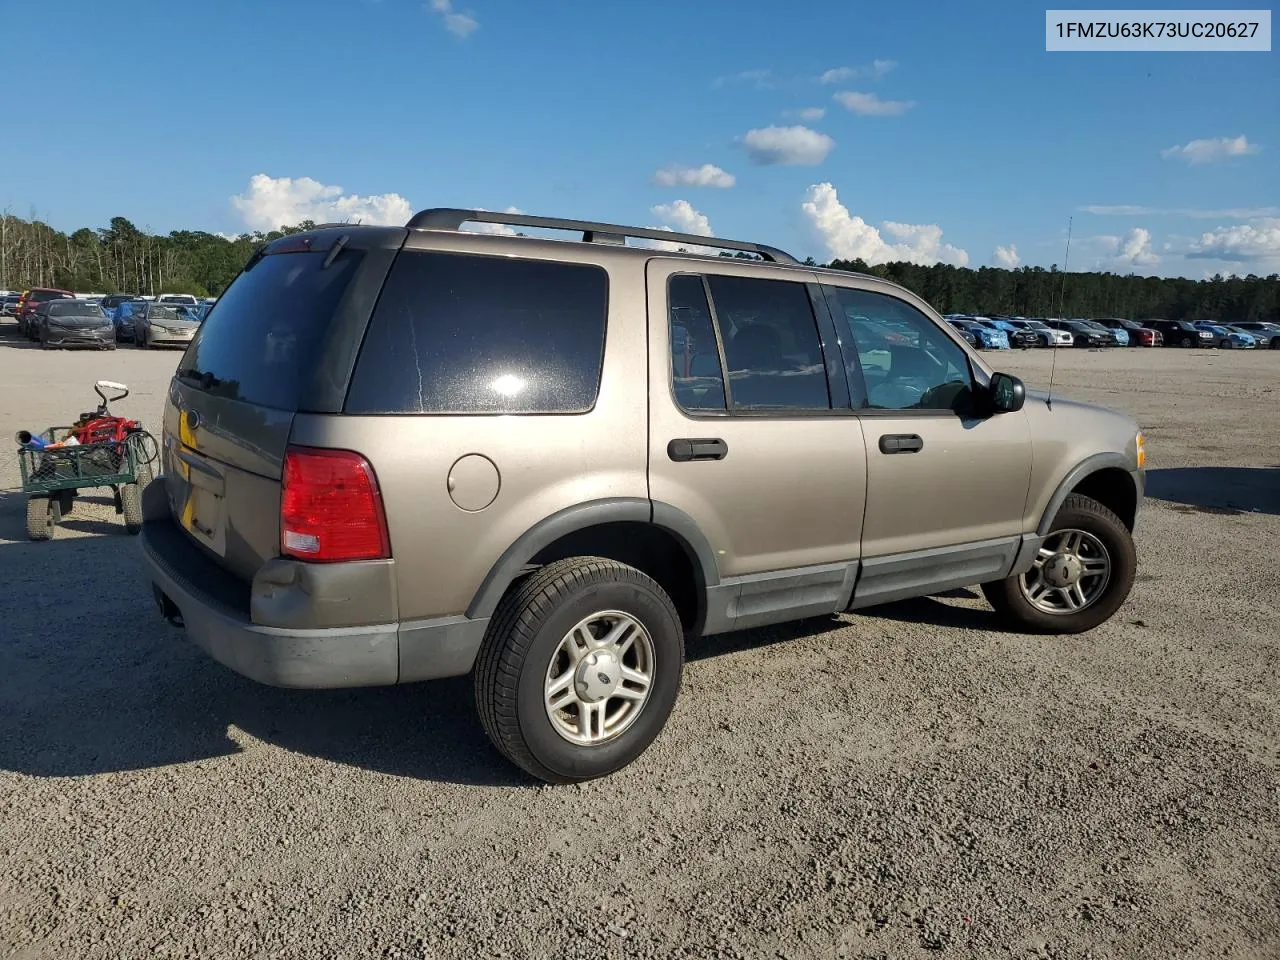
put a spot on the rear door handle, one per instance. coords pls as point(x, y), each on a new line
point(684, 450)
point(901, 443)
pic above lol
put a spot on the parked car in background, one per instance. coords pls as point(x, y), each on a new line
point(9, 305)
point(1181, 333)
point(122, 318)
point(162, 325)
point(1267, 334)
point(969, 336)
point(1138, 335)
point(73, 323)
point(988, 338)
point(1018, 338)
point(1083, 333)
point(1046, 335)
point(184, 298)
point(1120, 334)
point(1226, 339)
point(34, 297)
point(113, 300)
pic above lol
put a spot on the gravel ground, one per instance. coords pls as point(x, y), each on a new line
point(895, 784)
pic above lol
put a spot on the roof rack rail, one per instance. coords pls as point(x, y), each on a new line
point(452, 218)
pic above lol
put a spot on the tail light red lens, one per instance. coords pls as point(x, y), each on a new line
point(331, 508)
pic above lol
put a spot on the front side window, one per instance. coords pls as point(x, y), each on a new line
point(906, 362)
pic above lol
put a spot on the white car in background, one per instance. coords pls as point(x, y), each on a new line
point(186, 299)
point(1049, 336)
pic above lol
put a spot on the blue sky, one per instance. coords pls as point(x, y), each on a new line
point(947, 122)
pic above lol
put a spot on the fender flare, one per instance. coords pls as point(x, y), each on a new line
point(579, 517)
point(1087, 466)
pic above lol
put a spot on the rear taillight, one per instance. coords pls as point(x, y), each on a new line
point(331, 507)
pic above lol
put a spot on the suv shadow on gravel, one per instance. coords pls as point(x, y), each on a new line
point(394, 454)
point(1247, 489)
point(75, 706)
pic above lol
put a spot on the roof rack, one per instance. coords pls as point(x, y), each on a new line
point(452, 218)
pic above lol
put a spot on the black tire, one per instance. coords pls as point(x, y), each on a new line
point(1187, 342)
point(1275, 343)
point(131, 507)
point(1227, 345)
point(525, 633)
point(1080, 513)
point(66, 502)
point(43, 514)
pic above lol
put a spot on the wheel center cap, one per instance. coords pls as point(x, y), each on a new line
point(597, 676)
point(1062, 570)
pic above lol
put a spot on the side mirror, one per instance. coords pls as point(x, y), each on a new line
point(1007, 393)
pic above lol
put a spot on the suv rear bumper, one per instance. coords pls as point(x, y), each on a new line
point(213, 607)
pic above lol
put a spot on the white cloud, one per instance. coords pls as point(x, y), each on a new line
point(1210, 151)
point(848, 237)
point(875, 69)
point(870, 105)
point(1006, 257)
point(707, 175)
point(680, 216)
point(760, 79)
point(813, 113)
point(1121, 254)
point(459, 24)
point(1242, 243)
point(1229, 213)
point(273, 202)
point(1135, 248)
point(787, 146)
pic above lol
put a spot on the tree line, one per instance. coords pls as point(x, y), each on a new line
point(121, 258)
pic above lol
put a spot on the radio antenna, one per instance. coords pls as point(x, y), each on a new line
point(1062, 298)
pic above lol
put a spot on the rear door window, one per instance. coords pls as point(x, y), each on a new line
point(772, 350)
point(262, 344)
point(467, 334)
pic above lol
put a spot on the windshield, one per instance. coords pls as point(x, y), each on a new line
point(162, 313)
point(74, 309)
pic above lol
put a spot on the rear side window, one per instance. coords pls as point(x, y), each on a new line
point(460, 333)
point(261, 346)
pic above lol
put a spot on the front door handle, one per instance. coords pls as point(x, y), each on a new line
point(900, 443)
point(684, 450)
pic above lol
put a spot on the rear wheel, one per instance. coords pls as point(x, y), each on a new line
point(580, 669)
point(1227, 345)
point(1081, 575)
point(43, 514)
point(131, 506)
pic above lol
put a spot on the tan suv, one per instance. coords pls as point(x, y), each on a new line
point(396, 454)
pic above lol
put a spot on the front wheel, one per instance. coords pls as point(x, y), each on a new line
point(1187, 342)
point(1081, 575)
point(43, 514)
point(580, 669)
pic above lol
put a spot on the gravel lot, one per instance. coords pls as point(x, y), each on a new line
point(895, 784)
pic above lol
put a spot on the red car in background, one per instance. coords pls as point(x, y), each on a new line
point(32, 298)
point(1139, 336)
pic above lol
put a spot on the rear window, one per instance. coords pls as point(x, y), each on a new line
point(272, 320)
point(40, 296)
point(460, 333)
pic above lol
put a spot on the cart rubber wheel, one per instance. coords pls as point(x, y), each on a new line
point(66, 502)
point(43, 514)
point(131, 504)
